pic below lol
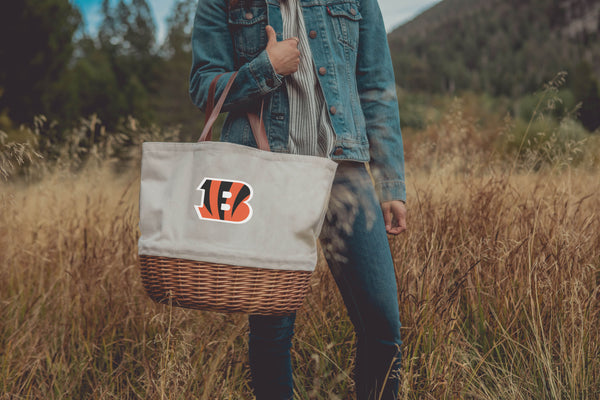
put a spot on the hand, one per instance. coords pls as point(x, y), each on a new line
point(284, 56)
point(394, 215)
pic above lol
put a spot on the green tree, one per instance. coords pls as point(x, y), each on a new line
point(35, 49)
point(586, 90)
point(94, 80)
point(127, 41)
point(173, 103)
point(179, 25)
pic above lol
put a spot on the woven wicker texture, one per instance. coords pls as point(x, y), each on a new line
point(223, 288)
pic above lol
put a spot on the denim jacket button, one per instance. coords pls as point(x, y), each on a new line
point(249, 15)
point(322, 70)
point(352, 11)
point(333, 110)
point(312, 34)
point(339, 151)
point(270, 82)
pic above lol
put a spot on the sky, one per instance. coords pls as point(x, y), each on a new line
point(395, 12)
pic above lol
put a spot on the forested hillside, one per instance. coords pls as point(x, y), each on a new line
point(504, 48)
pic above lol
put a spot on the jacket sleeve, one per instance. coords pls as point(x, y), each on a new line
point(379, 102)
point(213, 53)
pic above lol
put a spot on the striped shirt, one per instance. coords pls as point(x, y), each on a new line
point(311, 131)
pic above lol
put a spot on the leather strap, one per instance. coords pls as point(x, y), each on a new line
point(210, 103)
point(212, 112)
point(258, 126)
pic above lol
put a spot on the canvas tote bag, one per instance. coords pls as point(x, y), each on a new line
point(230, 228)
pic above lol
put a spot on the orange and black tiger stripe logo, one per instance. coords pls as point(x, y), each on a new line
point(225, 201)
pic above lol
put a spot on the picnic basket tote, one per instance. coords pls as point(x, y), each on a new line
point(230, 228)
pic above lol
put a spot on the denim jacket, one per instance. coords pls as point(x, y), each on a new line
point(352, 59)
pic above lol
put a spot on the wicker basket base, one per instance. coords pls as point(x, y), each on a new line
point(223, 288)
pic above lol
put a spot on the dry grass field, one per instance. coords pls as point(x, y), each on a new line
point(499, 278)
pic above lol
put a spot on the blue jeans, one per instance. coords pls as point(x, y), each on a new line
point(355, 245)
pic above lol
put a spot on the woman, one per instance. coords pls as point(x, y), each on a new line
point(323, 72)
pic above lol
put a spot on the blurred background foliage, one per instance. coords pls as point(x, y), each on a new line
point(56, 69)
point(63, 87)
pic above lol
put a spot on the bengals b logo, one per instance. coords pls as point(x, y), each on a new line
point(225, 201)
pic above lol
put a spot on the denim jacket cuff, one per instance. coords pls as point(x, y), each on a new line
point(391, 190)
point(264, 74)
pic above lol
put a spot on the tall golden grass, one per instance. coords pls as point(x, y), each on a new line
point(498, 276)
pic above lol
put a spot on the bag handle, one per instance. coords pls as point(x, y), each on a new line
point(212, 112)
point(210, 104)
point(258, 128)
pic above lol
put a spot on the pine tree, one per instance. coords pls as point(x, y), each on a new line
point(36, 48)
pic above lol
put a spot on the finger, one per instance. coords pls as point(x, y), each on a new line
point(387, 216)
point(292, 42)
point(271, 35)
point(402, 222)
point(396, 230)
point(400, 219)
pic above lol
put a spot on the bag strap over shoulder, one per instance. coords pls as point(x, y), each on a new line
point(212, 112)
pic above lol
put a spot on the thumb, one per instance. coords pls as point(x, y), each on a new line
point(271, 36)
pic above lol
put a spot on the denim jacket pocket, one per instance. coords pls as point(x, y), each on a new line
point(345, 17)
point(247, 26)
